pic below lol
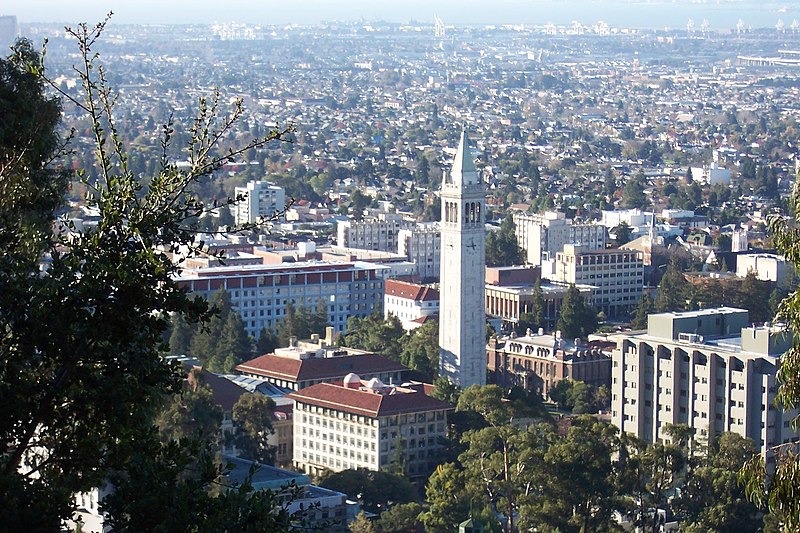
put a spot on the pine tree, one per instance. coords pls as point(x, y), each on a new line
point(267, 342)
point(644, 308)
point(672, 291)
point(233, 345)
point(576, 319)
point(181, 338)
point(533, 318)
point(205, 340)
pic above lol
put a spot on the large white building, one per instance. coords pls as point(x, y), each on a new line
point(766, 267)
point(367, 424)
point(708, 369)
point(462, 317)
point(547, 234)
point(421, 244)
point(379, 233)
point(261, 200)
point(261, 294)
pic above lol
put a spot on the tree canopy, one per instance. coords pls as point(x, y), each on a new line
point(81, 357)
point(577, 318)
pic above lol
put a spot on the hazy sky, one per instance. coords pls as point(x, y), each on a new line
point(720, 14)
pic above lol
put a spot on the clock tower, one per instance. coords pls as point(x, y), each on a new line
point(462, 313)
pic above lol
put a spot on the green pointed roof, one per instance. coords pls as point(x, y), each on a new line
point(463, 162)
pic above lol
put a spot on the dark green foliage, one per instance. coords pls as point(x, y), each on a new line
point(712, 498)
point(673, 291)
point(633, 194)
point(754, 295)
point(180, 486)
point(778, 491)
point(192, 414)
point(577, 319)
point(501, 246)
point(252, 418)
point(82, 371)
point(374, 334)
point(622, 234)
point(421, 350)
point(448, 500)
point(31, 187)
point(579, 397)
point(302, 323)
point(267, 342)
point(446, 391)
point(401, 518)
point(207, 337)
point(180, 338)
point(233, 346)
point(488, 402)
point(644, 308)
point(375, 489)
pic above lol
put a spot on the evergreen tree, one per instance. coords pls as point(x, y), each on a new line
point(181, 337)
point(633, 195)
point(191, 414)
point(206, 338)
point(753, 295)
point(643, 309)
point(252, 418)
point(501, 246)
point(576, 319)
point(232, 347)
point(267, 342)
point(673, 291)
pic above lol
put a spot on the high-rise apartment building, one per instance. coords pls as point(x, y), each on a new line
point(421, 244)
point(261, 200)
point(378, 233)
point(710, 369)
point(462, 316)
point(547, 234)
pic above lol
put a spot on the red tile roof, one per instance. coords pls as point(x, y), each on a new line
point(411, 291)
point(295, 370)
point(367, 403)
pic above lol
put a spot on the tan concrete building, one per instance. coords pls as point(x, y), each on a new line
point(617, 276)
point(363, 424)
point(709, 369)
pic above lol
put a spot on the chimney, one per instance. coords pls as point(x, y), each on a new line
point(330, 336)
point(292, 342)
point(541, 331)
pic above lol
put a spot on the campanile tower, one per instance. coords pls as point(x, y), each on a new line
point(462, 313)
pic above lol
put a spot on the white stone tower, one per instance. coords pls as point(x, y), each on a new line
point(462, 312)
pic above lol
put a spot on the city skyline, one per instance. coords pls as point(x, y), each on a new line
point(719, 15)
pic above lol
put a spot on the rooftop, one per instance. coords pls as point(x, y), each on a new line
point(369, 401)
point(314, 368)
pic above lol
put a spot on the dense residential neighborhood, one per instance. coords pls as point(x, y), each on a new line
point(439, 276)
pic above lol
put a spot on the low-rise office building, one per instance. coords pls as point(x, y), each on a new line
point(617, 276)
